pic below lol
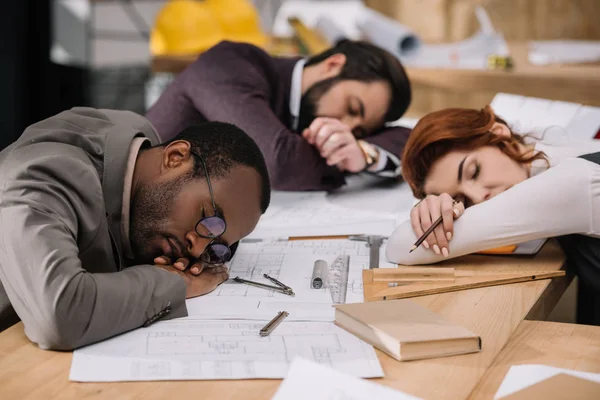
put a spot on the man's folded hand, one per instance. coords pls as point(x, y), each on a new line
point(200, 278)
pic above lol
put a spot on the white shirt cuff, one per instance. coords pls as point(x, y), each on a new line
point(378, 168)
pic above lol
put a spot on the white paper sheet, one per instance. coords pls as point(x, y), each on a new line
point(520, 377)
point(549, 120)
point(291, 262)
point(563, 51)
point(308, 380)
point(186, 349)
point(312, 215)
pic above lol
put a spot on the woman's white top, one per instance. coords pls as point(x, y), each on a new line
point(560, 200)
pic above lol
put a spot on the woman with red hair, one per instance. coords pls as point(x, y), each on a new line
point(513, 188)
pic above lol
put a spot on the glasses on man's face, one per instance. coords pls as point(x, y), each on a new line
point(212, 228)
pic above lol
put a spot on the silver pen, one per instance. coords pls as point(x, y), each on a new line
point(279, 289)
point(268, 328)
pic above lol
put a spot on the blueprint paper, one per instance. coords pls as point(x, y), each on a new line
point(309, 380)
point(291, 262)
point(185, 349)
point(314, 215)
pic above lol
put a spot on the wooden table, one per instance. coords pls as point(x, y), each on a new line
point(550, 343)
point(493, 312)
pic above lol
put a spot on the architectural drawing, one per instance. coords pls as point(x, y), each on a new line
point(292, 263)
point(192, 349)
point(293, 260)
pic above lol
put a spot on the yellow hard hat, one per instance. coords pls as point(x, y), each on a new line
point(239, 20)
point(185, 27)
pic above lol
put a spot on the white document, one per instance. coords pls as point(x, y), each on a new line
point(563, 51)
point(548, 120)
point(185, 349)
point(290, 262)
point(308, 380)
point(313, 215)
point(520, 377)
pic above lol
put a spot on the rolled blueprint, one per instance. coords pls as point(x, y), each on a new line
point(330, 30)
point(388, 34)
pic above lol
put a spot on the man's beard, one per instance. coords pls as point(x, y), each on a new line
point(310, 101)
point(150, 209)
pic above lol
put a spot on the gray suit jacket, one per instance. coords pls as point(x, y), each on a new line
point(61, 264)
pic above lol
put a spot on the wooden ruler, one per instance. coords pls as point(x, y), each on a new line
point(423, 282)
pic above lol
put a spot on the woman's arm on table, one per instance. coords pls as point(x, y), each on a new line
point(557, 202)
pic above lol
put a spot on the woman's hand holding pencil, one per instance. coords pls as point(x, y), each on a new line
point(432, 220)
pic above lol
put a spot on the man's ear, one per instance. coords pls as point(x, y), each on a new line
point(332, 66)
point(501, 130)
point(176, 154)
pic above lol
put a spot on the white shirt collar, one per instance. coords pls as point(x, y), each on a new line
point(296, 92)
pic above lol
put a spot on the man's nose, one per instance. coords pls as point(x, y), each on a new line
point(196, 244)
point(352, 121)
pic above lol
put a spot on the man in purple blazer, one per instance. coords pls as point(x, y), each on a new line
point(314, 119)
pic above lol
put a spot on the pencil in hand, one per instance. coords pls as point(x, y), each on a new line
point(426, 234)
point(428, 231)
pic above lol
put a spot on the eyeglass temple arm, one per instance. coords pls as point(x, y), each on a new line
point(212, 197)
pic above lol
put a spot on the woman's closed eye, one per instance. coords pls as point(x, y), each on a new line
point(476, 171)
point(353, 110)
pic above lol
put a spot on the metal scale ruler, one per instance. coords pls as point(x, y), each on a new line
point(337, 279)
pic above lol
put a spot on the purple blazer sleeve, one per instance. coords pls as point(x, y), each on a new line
point(226, 86)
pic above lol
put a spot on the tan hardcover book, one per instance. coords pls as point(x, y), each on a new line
point(405, 330)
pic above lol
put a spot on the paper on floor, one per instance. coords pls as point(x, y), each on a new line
point(185, 349)
point(308, 380)
point(520, 377)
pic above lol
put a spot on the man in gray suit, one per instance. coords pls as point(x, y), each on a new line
point(90, 203)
